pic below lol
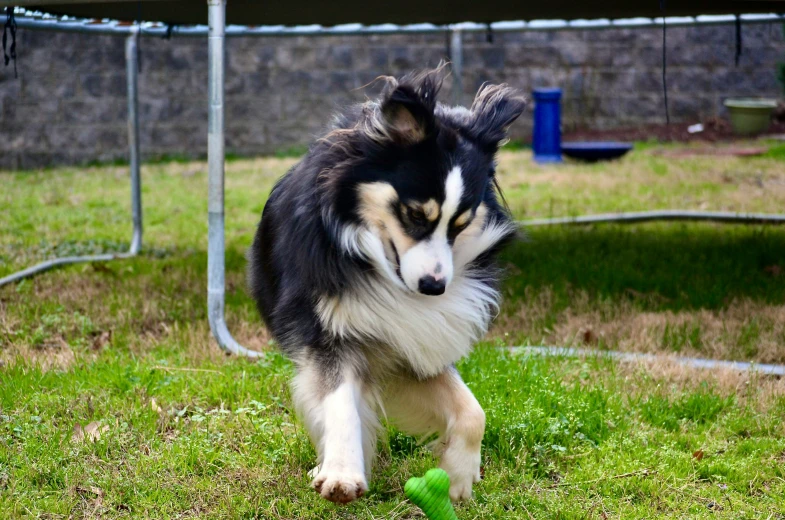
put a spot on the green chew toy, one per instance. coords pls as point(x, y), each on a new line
point(431, 493)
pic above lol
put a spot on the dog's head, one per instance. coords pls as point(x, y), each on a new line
point(415, 186)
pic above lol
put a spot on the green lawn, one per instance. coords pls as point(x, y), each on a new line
point(182, 431)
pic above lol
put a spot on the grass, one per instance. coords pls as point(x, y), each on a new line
point(182, 431)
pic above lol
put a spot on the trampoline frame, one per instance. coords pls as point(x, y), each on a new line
point(217, 32)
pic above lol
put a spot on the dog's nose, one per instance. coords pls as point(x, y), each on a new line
point(431, 286)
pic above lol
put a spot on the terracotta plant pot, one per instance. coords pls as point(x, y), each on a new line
point(750, 116)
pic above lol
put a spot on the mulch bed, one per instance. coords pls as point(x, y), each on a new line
point(714, 130)
point(724, 151)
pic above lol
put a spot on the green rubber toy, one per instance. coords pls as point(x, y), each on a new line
point(431, 493)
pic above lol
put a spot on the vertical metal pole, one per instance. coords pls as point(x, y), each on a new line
point(215, 176)
point(456, 58)
point(132, 77)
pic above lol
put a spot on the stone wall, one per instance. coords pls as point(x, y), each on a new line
point(68, 104)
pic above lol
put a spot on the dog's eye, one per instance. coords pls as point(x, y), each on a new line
point(417, 216)
point(456, 229)
point(460, 223)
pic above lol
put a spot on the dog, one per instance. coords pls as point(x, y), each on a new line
point(374, 268)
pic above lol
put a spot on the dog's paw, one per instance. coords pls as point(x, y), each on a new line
point(463, 468)
point(461, 487)
point(340, 486)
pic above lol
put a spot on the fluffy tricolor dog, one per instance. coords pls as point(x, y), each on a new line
point(373, 267)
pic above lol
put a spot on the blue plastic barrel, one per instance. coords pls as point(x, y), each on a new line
point(546, 141)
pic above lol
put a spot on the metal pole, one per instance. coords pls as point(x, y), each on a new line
point(132, 77)
point(215, 176)
point(456, 57)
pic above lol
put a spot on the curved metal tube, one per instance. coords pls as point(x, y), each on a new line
point(132, 78)
point(215, 178)
point(741, 366)
point(49, 264)
point(668, 214)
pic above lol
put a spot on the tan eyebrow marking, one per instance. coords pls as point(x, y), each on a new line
point(463, 218)
point(430, 209)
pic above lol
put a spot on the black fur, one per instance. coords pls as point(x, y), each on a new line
point(296, 256)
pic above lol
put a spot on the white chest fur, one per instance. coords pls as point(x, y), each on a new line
point(428, 332)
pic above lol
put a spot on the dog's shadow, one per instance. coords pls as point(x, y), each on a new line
point(664, 266)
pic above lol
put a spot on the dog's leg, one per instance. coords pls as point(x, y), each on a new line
point(340, 418)
point(442, 404)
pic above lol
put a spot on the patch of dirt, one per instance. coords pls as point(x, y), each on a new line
point(725, 151)
point(759, 392)
point(59, 357)
point(744, 330)
point(71, 293)
point(253, 335)
point(714, 129)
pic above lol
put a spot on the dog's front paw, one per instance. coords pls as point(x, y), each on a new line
point(463, 468)
point(340, 486)
point(461, 487)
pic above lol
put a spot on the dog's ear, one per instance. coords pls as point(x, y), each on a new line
point(494, 109)
point(408, 109)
